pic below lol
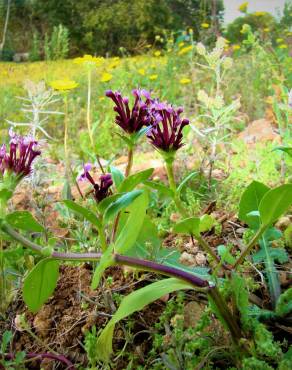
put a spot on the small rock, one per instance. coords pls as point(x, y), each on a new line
point(188, 259)
point(201, 259)
point(283, 223)
point(192, 313)
point(189, 247)
point(240, 230)
point(164, 298)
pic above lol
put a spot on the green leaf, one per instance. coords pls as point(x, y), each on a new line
point(123, 202)
point(84, 212)
point(225, 255)
point(117, 176)
point(250, 201)
point(135, 301)
point(277, 254)
point(285, 149)
point(105, 262)
point(5, 194)
point(130, 182)
point(206, 223)
point(185, 180)
point(137, 135)
point(106, 202)
point(163, 189)
point(131, 230)
point(66, 191)
point(189, 225)
point(40, 284)
point(274, 203)
point(24, 220)
point(284, 304)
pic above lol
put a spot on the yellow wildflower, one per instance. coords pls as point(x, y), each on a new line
point(63, 85)
point(88, 60)
point(141, 71)
point(185, 81)
point(191, 31)
point(148, 46)
point(259, 14)
point(185, 50)
point(181, 44)
point(243, 7)
point(101, 98)
point(153, 77)
point(235, 47)
point(157, 53)
point(106, 77)
point(269, 100)
point(283, 46)
point(205, 25)
point(114, 63)
point(266, 29)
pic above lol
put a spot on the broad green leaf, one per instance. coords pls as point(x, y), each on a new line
point(121, 203)
point(105, 262)
point(5, 194)
point(189, 225)
point(135, 301)
point(130, 232)
point(185, 180)
point(206, 223)
point(84, 212)
point(106, 202)
point(274, 203)
point(130, 182)
point(250, 201)
point(163, 189)
point(40, 284)
point(117, 176)
point(24, 220)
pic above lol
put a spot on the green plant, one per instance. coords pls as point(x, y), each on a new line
point(57, 46)
point(35, 51)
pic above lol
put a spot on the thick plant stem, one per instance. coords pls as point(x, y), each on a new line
point(225, 313)
point(130, 162)
point(249, 247)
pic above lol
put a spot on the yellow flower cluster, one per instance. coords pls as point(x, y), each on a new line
point(243, 7)
point(157, 53)
point(185, 50)
point(185, 81)
point(89, 60)
point(63, 85)
point(259, 14)
point(106, 77)
point(205, 25)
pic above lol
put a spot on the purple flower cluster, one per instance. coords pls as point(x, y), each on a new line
point(164, 121)
point(20, 155)
point(101, 190)
point(131, 120)
point(166, 131)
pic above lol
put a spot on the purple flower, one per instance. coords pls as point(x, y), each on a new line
point(131, 120)
point(20, 155)
point(167, 125)
point(101, 190)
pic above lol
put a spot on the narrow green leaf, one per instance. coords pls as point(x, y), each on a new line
point(250, 201)
point(130, 182)
point(105, 262)
point(185, 180)
point(188, 226)
point(130, 232)
point(117, 176)
point(106, 202)
point(135, 301)
point(285, 149)
point(40, 284)
point(84, 212)
point(274, 203)
point(24, 220)
point(121, 203)
point(163, 189)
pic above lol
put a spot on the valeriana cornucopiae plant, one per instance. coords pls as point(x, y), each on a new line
point(165, 134)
